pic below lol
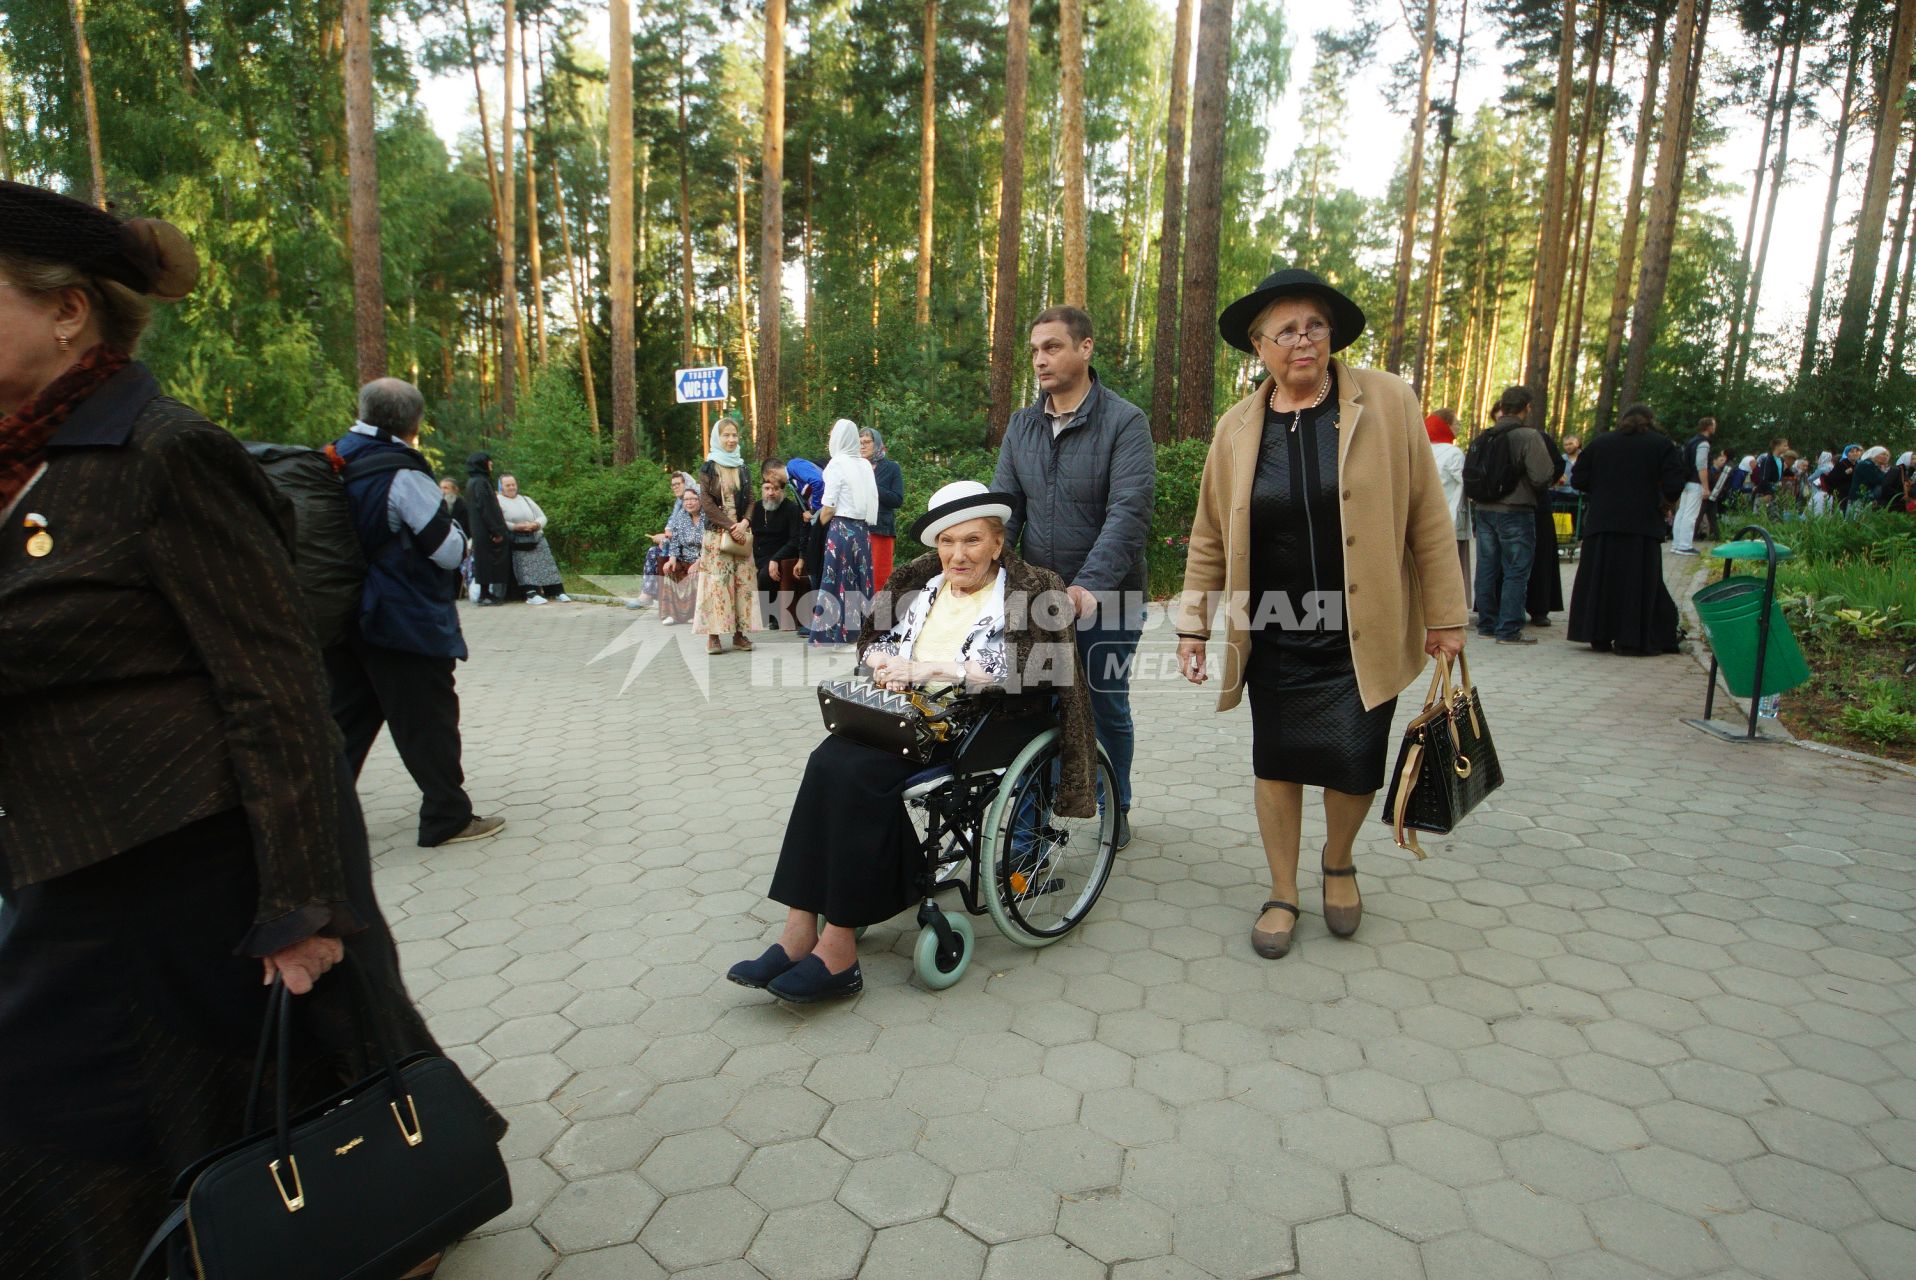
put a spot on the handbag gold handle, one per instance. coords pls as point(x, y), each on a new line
point(1406, 779)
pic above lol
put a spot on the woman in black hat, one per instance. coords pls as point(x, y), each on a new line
point(1323, 532)
point(177, 819)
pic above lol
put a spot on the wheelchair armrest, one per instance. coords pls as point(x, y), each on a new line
point(1004, 725)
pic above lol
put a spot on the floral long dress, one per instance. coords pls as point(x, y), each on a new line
point(728, 585)
point(845, 582)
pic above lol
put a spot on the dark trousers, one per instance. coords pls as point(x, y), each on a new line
point(414, 697)
point(1506, 546)
point(1108, 649)
point(777, 596)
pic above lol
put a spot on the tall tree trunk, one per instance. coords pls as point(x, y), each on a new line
point(572, 272)
point(811, 297)
point(1819, 280)
point(1900, 337)
point(1071, 90)
point(534, 266)
point(1164, 352)
point(1846, 359)
point(1549, 276)
point(362, 164)
point(1573, 216)
point(485, 123)
point(1666, 192)
point(1004, 325)
point(89, 105)
point(687, 353)
point(621, 303)
point(1573, 362)
point(1753, 294)
point(1426, 331)
point(513, 365)
point(743, 292)
point(1879, 333)
point(1211, 96)
point(1413, 189)
point(771, 231)
point(1740, 282)
point(927, 161)
point(1632, 222)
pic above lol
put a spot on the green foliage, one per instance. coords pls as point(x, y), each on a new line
point(552, 441)
point(1879, 719)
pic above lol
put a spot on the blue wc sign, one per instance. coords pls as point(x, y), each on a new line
point(696, 385)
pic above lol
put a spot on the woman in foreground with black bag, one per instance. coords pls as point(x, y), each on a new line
point(177, 829)
point(1323, 533)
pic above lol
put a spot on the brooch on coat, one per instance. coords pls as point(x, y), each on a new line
point(39, 542)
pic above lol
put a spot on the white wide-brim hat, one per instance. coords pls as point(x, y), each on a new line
point(957, 502)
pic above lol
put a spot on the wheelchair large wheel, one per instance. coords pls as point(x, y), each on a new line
point(1042, 872)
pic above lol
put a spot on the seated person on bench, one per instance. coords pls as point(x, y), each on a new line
point(850, 852)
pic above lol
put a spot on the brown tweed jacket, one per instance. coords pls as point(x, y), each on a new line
point(1034, 648)
point(155, 666)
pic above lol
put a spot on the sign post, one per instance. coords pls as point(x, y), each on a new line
point(703, 385)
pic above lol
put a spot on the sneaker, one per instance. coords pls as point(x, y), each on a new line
point(536, 598)
point(640, 603)
point(1123, 837)
point(668, 622)
point(486, 601)
point(477, 829)
point(563, 598)
point(1684, 551)
point(1516, 639)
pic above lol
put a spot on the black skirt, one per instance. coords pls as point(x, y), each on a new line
point(1545, 588)
point(1308, 724)
point(850, 850)
point(1619, 599)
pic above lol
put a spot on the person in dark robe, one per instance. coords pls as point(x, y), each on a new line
point(1545, 594)
point(1619, 603)
point(491, 541)
point(779, 535)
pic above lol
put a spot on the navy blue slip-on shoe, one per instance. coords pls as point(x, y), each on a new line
point(759, 973)
point(809, 981)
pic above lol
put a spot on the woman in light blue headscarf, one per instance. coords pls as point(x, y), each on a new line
point(729, 577)
point(851, 505)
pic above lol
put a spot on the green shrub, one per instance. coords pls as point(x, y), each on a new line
point(1880, 720)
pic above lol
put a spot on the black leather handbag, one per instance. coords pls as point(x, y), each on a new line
point(364, 1186)
point(1447, 763)
point(911, 724)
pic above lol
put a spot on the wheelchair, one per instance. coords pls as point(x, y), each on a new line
point(988, 829)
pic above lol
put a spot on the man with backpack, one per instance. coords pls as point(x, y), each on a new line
point(1768, 476)
point(1506, 473)
point(1697, 451)
point(395, 666)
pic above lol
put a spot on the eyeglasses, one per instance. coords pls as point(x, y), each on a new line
point(1314, 334)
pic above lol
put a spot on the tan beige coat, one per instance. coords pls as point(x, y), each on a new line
point(1401, 574)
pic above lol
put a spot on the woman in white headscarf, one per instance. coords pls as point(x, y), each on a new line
point(851, 504)
point(1820, 498)
point(728, 586)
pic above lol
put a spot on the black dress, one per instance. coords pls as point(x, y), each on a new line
point(1544, 593)
point(1308, 723)
point(1619, 600)
point(849, 841)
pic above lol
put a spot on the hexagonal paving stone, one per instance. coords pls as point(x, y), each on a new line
point(933, 1247)
point(810, 1242)
point(893, 1190)
point(1780, 1249)
point(1406, 1202)
point(1540, 1225)
point(793, 1173)
point(702, 1227)
point(597, 1212)
point(1114, 1227)
point(1232, 1244)
point(690, 1161)
point(997, 1207)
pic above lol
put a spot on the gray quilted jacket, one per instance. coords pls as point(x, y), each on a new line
point(1084, 499)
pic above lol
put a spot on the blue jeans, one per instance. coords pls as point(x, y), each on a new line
point(1108, 652)
point(1506, 545)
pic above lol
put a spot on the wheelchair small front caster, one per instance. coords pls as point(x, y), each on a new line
point(937, 963)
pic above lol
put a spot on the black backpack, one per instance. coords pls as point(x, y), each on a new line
point(1490, 467)
point(327, 558)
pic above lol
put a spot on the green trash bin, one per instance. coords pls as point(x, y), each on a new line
point(1730, 611)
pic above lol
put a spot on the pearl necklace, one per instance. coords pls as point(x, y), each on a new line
point(1297, 416)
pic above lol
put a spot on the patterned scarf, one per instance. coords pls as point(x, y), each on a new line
point(25, 432)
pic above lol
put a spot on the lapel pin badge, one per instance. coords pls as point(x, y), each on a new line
point(39, 542)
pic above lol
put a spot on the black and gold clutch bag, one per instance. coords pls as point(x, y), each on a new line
point(911, 724)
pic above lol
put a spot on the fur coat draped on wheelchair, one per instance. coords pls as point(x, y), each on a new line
point(1040, 646)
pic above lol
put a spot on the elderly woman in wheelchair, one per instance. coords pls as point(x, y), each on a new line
point(967, 760)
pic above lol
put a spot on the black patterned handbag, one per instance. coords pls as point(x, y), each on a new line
point(1447, 763)
point(912, 724)
point(364, 1186)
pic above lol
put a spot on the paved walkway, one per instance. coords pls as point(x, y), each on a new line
point(1652, 1014)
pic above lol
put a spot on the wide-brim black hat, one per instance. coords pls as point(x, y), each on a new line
point(1347, 318)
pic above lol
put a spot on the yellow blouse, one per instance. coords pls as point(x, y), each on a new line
point(953, 615)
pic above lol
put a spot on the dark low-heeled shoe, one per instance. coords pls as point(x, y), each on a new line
point(1270, 943)
point(758, 974)
point(1343, 921)
point(809, 981)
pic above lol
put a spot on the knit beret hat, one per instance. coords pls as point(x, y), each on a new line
point(145, 254)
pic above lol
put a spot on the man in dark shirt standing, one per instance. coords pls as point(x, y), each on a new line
point(1081, 465)
point(396, 668)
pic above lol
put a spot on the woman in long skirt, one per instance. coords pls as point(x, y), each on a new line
point(845, 574)
point(1619, 603)
point(727, 587)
